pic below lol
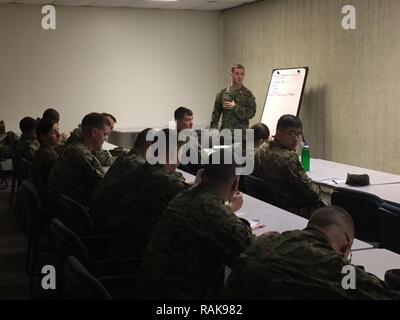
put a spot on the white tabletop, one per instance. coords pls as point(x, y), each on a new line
point(376, 261)
point(332, 174)
point(324, 171)
point(138, 129)
point(274, 218)
point(108, 146)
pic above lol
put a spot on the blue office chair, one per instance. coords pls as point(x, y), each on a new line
point(82, 285)
point(258, 188)
point(264, 191)
point(75, 216)
point(363, 208)
point(24, 169)
point(67, 243)
point(389, 227)
point(32, 208)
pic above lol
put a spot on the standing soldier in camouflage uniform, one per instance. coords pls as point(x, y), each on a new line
point(48, 135)
point(77, 171)
point(104, 156)
point(111, 189)
point(196, 237)
point(280, 166)
point(27, 145)
point(146, 193)
point(304, 264)
point(236, 103)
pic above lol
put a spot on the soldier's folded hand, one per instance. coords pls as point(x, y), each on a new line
point(236, 202)
point(229, 104)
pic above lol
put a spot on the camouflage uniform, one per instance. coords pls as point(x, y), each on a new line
point(146, 194)
point(192, 147)
point(104, 157)
point(299, 264)
point(26, 148)
point(8, 141)
point(111, 189)
point(281, 167)
point(75, 136)
point(44, 160)
point(76, 173)
point(196, 237)
point(238, 117)
point(5, 152)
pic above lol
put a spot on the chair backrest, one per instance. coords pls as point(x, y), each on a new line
point(31, 202)
point(24, 169)
point(75, 216)
point(389, 227)
point(363, 208)
point(81, 284)
point(40, 186)
point(67, 243)
point(258, 188)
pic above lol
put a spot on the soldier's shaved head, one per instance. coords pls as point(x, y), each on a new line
point(221, 173)
point(327, 217)
point(337, 224)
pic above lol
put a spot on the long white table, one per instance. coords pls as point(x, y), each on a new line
point(126, 136)
point(332, 174)
point(325, 171)
point(274, 218)
point(376, 261)
point(108, 146)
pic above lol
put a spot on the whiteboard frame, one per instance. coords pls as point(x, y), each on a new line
point(301, 94)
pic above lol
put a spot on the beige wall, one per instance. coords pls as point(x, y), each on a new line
point(351, 104)
point(137, 64)
point(141, 64)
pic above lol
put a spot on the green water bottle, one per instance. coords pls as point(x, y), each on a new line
point(305, 157)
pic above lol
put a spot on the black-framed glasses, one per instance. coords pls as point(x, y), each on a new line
point(294, 133)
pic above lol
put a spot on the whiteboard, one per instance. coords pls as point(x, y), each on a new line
point(284, 95)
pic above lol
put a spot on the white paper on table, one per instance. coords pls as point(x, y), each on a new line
point(254, 223)
point(331, 181)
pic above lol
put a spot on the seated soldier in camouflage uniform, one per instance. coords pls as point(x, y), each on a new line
point(77, 171)
point(261, 135)
point(8, 142)
point(27, 145)
point(52, 115)
point(104, 156)
point(184, 121)
point(304, 264)
point(280, 166)
point(197, 236)
point(111, 188)
point(146, 193)
point(48, 134)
